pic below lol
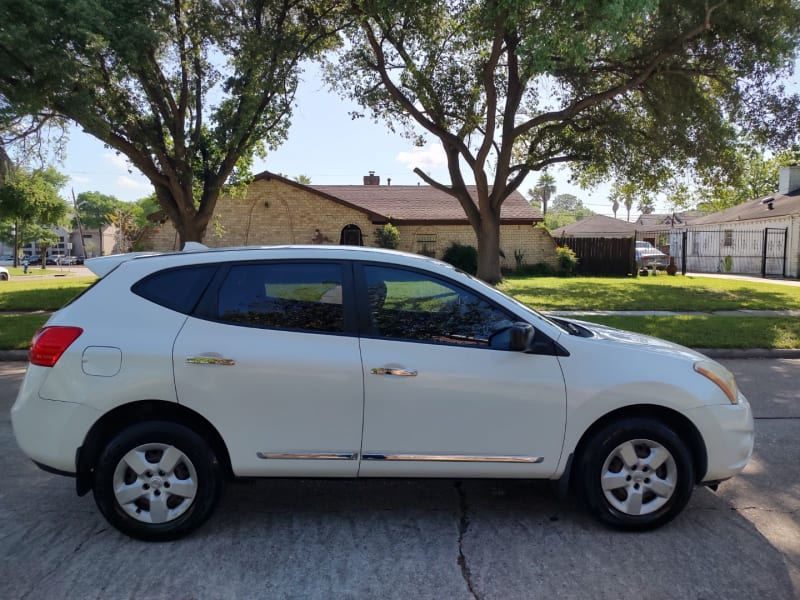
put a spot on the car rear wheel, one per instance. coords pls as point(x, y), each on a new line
point(3, 276)
point(636, 474)
point(157, 481)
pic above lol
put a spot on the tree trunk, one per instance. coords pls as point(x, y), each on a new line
point(189, 222)
point(489, 248)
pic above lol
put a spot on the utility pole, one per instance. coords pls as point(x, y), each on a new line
point(15, 227)
point(78, 220)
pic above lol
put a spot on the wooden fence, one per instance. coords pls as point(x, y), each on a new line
point(602, 256)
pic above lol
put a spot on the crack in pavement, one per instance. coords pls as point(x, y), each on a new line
point(89, 536)
point(463, 526)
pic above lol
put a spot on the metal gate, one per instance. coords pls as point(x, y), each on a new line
point(773, 262)
point(723, 249)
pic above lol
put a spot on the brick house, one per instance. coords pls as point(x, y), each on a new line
point(276, 210)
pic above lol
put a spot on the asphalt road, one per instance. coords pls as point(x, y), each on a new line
point(419, 539)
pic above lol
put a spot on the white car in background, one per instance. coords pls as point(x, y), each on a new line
point(175, 372)
point(648, 255)
point(4, 275)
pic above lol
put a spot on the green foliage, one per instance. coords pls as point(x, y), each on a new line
point(728, 263)
point(30, 200)
point(186, 91)
point(566, 209)
point(632, 89)
point(567, 260)
point(545, 188)
point(462, 256)
point(539, 269)
point(95, 209)
point(387, 236)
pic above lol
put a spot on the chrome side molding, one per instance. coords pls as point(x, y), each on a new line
point(455, 458)
point(308, 456)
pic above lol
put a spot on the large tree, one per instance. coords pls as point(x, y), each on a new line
point(30, 202)
point(632, 88)
point(186, 90)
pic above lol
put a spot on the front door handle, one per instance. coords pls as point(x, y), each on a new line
point(397, 372)
point(210, 360)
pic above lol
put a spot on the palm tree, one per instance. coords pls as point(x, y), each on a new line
point(544, 190)
point(646, 206)
point(615, 204)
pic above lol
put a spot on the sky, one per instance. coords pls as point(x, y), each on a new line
point(326, 145)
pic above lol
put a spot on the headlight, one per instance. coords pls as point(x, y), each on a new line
point(721, 376)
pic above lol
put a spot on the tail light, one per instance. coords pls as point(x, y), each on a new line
point(49, 344)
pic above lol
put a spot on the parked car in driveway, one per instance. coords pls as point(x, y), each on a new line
point(4, 274)
point(175, 372)
point(7, 260)
point(648, 255)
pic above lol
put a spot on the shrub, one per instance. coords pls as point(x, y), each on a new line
point(567, 260)
point(462, 257)
point(539, 269)
point(387, 236)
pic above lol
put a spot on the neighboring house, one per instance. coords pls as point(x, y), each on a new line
point(758, 237)
point(276, 210)
point(596, 226)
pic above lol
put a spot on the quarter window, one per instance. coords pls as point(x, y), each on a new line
point(284, 296)
point(408, 305)
point(178, 289)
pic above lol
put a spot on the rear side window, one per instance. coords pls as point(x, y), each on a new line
point(284, 296)
point(178, 289)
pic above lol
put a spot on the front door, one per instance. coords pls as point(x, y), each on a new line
point(439, 400)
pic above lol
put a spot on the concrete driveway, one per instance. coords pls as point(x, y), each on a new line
point(419, 539)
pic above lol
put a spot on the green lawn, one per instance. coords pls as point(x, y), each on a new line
point(676, 293)
point(21, 294)
point(16, 331)
point(712, 331)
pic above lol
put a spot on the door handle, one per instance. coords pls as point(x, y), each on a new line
point(397, 372)
point(210, 360)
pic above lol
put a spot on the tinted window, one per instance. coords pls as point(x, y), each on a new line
point(178, 289)
point(410, 305)
point(284, 296)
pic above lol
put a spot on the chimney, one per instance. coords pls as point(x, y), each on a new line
point(789, 179)
point(372, 179)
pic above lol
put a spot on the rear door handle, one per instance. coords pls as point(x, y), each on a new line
point(396, 372)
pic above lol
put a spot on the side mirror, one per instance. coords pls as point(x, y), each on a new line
point(516, 337)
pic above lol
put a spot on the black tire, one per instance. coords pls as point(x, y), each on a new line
point(637, 497)
point(3, 276)
point(153, 494)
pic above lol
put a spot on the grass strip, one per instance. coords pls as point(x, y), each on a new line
point(677, 293)
point(712, 331)
point(16, 331)
point(41, 294)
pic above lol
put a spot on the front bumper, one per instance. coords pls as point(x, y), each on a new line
point(728, 434)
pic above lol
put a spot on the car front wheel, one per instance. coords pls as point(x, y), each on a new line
point(636, 474)
point(157, 481)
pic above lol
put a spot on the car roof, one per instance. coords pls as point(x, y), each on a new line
point(197, 253)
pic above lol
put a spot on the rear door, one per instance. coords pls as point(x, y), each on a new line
point(272, 361)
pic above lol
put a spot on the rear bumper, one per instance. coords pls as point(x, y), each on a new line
point(49, 431)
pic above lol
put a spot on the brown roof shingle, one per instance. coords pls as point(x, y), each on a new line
point(414, 203)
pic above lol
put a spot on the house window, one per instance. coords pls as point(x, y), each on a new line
point(351, 236)
point(426, 244)
point(728, 241)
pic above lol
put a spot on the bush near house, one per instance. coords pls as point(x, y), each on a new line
point(462, 257)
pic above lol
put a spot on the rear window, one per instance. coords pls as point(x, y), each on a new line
point(178, 289)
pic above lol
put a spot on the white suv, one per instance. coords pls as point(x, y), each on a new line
point(175, 372)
